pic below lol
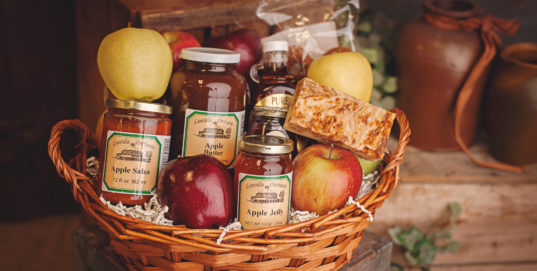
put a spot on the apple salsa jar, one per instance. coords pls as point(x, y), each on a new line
point(263, 180)
point(134, 149)
point(209, 108)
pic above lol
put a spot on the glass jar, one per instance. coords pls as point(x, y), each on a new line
point(263, 180)
point(135, 148)
point(209, 108)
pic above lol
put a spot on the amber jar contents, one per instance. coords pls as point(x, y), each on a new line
point(209, 108)
point(276, 86)
point(135, 147)
point(270, 123)
point(432, 64)
point(512, 105)
point(263, 181)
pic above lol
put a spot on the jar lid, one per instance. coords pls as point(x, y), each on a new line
point(266, 144)
point(210, 55)
point(142, 106)
point(275, 45)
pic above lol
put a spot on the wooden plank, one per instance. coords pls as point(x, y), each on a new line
point(373, 254)
point(498, 223)
point(39, 244)
point(454, 167)
point(166, 15)
point(488, 267)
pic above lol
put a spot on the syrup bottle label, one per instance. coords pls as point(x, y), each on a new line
point(133, 161)
point(213, 133)
point(263, 201)
point(278, 102)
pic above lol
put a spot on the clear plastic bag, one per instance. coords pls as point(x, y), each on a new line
point(311, 28)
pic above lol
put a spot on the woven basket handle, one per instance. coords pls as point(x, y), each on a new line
point(71, 175)
point(404, 138)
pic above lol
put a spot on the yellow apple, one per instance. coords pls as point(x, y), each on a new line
point(135, 64)
point(349, 72)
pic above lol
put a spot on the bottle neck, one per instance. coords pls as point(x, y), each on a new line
point(208, 67)
point(275, 63)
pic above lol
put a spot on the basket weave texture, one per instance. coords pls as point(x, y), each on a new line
point(323, 243)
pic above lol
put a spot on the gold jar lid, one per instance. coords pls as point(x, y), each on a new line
point(141, 106)
point(266, 144)
point(270, 113)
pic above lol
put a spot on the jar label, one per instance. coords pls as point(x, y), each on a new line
point(263, 201)
point(278, 101)
point(213, 133)
point(133, 161)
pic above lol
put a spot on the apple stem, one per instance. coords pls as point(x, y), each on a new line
point(330, 151)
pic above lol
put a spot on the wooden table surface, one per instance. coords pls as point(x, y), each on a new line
point(498, 224)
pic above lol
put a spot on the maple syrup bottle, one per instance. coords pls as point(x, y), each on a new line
point(276, 86)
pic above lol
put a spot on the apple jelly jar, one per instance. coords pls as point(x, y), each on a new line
point(263, 176)
point(134, 148)
point(209, 107)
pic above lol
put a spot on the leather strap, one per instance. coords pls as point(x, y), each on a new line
point(488, 27)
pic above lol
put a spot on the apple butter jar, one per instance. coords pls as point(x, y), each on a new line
point(263, 180)
point(209, 108)
point(135, 147)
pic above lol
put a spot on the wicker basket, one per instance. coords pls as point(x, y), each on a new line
point(323, 243)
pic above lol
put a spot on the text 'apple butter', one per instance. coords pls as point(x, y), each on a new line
point(209, 108)
point(263, 181)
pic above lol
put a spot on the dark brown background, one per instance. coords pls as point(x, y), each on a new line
point(39, 88)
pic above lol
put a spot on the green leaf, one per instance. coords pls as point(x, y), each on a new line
point(364, 26)
point(410, 258)
point(453, 246)
point(387, 102)
point(396, 267)
point(409, 238)
point(378, 78)
point(390, 85)
point(426, 251)
point(443, 234)
point(379, 67)
point(455, 209)
point(372, 54)
point(393, 232)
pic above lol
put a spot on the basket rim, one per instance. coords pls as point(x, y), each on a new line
point(347, 220)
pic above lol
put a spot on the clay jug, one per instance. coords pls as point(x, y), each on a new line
point(511, 111)
point(432, 63)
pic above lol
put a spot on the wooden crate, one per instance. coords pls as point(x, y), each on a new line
point(202, 18)
point(498, 225)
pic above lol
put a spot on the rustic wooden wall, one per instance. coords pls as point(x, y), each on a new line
point(38, 86)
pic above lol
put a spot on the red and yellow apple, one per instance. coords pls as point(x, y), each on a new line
point(324, 180)
point(177, 41)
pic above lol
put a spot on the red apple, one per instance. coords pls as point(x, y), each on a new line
point(244, 41)
point(178, 40)
point(198, 191)
point(322, 183)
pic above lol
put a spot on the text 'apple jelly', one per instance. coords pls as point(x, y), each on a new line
point(263, 180)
